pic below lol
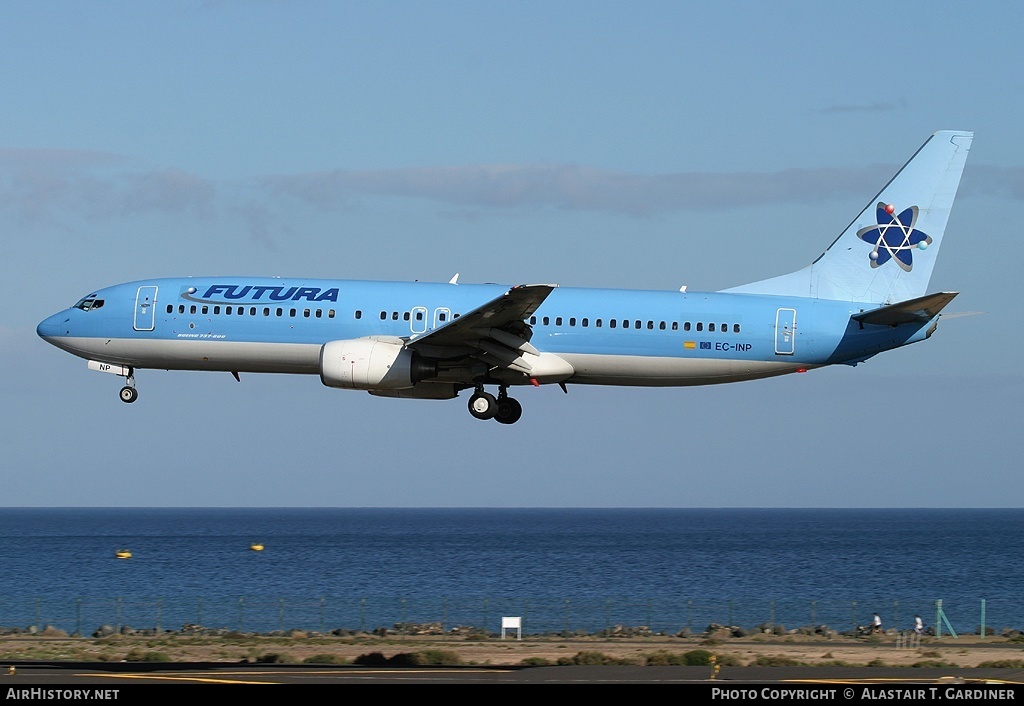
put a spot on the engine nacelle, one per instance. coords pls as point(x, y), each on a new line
point(371, 364)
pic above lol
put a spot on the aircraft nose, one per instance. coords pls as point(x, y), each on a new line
point(52, 326)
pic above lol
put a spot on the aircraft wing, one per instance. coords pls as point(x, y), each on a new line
point(495, 332)
point(919, 310)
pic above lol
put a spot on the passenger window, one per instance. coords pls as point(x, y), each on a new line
point(711, 327)
point(252, 311)
point(686, 326)
point(305, 312)
point(359, 314)
point(735, 328)
point(266, 311)
point(170, 308)
point(611, 323)
point(700, 326)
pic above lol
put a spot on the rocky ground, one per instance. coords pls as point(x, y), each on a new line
point(297, 647)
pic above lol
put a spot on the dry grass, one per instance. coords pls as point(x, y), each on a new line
point(965, 651)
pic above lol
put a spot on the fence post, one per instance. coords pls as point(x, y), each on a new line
point(568, 601)
point(200, 615)
point(853, 617)
point(323, 622)
point(78, 616)
point(362, 615)
point(982, 618)
point(118, 613)
point(159, 612)
point(280, 614)
point(241, 620)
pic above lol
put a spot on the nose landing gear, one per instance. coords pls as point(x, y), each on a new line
point(128, 392)
point(503, 409)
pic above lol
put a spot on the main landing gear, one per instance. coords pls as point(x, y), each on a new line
point(128, 392)
point(503, 409)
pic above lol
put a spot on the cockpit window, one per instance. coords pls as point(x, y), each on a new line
point(88, 303)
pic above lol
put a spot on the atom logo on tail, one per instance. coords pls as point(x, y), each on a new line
point(894, 238)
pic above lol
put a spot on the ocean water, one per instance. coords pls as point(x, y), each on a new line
point(561, 569)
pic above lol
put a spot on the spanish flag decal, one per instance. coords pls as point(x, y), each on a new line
point(689, 344)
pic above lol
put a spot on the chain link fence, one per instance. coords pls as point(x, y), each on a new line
point(552, 616)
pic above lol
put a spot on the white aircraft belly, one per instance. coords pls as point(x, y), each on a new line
point(187, 354)
point(664, 372)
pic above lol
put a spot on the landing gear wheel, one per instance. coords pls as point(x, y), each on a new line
point(482, 405)
point(129, 394)
point(509, 411)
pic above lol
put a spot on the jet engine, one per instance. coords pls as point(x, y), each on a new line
point(372, 364)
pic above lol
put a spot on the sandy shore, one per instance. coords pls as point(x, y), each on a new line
point(757, 650)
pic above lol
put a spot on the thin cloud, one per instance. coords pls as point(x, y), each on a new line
point(168, 191)
point(1006, 182)
point(577, 188)
point(58, 185)
point(51, 186)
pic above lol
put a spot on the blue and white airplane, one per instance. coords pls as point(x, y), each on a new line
point(867, 293)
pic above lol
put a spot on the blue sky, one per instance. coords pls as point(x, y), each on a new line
point(609, 144)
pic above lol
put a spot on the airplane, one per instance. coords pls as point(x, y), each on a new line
point(867, 293)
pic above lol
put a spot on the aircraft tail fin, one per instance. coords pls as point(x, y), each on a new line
point(888, 252)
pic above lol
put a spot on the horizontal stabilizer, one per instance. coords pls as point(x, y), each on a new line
point(911, 311)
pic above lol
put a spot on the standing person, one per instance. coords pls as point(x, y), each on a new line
point(918, 625)
point(876, 623)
